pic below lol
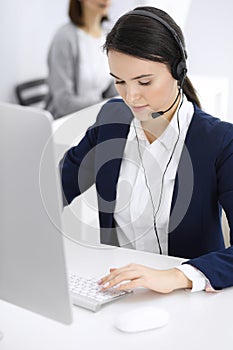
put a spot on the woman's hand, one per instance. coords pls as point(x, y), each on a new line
point(134, 275)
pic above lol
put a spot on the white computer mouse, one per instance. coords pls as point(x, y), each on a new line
point(142, 319)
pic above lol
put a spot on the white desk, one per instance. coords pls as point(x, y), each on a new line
point(198, 321)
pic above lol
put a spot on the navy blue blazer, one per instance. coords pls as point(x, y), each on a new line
point(203, 186)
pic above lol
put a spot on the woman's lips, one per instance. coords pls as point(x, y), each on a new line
point(138, 108)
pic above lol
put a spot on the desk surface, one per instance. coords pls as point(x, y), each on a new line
point(198, 320)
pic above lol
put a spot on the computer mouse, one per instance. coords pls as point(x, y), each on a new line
point(142, 319)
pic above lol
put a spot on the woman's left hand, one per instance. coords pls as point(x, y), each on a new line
point(134, 275)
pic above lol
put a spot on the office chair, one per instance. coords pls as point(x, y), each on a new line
point(32, 93)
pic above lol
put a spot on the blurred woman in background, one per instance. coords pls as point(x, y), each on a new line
point(78, 69)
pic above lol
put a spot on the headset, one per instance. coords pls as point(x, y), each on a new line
point(178, 71)
point(179, 67)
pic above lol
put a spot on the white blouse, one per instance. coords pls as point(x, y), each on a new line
point(136, 204)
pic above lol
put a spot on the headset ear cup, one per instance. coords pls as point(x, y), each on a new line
point(179, 70)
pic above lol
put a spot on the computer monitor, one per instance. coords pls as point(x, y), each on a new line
point(32, 260)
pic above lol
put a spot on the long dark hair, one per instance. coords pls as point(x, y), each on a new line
point(76, 13)
point(146, 38)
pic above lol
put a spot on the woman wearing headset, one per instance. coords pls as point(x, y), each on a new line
point(78, 69)
point(160, 164)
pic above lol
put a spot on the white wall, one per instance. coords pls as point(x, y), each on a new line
point(120, 7)
point(208, 31)
point(26, 29)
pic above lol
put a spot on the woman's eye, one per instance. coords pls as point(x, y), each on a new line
point(121, 82)
point(144, 83)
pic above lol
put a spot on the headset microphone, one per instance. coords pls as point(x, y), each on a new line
point(158, 114)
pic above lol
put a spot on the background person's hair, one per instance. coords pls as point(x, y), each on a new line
point(76, 14)
point(146, 38)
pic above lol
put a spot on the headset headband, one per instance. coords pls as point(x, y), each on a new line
point(180, 69)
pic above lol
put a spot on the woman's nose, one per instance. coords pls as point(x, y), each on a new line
point(132, 95)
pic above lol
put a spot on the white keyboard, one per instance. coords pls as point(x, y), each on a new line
point(86, 292)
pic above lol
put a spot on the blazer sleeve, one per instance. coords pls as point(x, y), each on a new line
point(218, 266)
point(63, 61)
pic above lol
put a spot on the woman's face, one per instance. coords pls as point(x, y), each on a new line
point(99, 6)
point(144, 85)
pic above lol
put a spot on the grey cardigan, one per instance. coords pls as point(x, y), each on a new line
point(63, 77)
